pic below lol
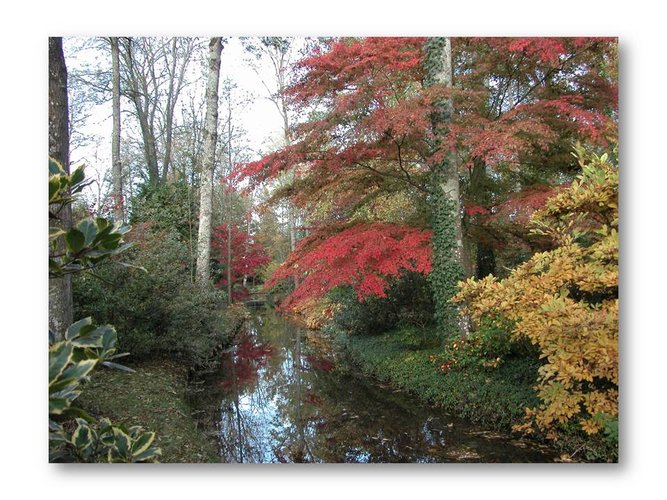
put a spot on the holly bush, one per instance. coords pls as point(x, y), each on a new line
point(75, 436)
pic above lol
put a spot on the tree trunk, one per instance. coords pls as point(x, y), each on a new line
point(60, 289)
point(206, 184)
point(445, 196)
point(116, 166)
point(229, 207)
point(137, 90)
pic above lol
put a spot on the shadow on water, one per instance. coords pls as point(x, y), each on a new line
point(281, 397)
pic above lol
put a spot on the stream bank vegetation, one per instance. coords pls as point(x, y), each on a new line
point(443, 210)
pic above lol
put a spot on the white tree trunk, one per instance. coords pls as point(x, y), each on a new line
point(206, 184)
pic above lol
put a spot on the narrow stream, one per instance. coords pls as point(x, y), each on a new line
point(281, 396)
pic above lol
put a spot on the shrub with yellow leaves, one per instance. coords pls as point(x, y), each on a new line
point(565, 301)
point(315, 313)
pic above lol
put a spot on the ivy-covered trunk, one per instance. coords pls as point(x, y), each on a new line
point(444, 197)
point(60, 288)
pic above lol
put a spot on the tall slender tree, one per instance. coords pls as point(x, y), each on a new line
point(60, 289)
point(116, 166)
point(206, 184)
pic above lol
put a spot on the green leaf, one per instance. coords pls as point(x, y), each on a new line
point(117, 366)
point(82, 437)
point(59, 356)
point(109, 341)
point(75, 240)
point(78, 413)
point(75, 328)
point(122, 442)
point(89, 230)
point(78, 371)
point(149, 454)
point(142, 443)
point(55, 168)
point(55, 426)
point(54, 189)
point(57, 405)
point(94, 337)
point(78, 176)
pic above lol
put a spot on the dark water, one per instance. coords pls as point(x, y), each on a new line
point(281, 396)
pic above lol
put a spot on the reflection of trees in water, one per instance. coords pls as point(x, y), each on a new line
point(286, 403)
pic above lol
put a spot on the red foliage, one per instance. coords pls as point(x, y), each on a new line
point(379, 112)
point(514, 99)
point(248, 257)
point(519, 208)
point(363, 256)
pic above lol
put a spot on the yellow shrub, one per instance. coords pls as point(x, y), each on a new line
point(566, 301)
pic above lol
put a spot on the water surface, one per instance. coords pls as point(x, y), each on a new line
point(282, 395)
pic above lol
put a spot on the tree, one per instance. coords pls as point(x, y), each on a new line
point(210, 141)
point(116, 165)
point(444, 191)
point(370, 131)
point(60, 287)
point(363, 256)
point(279, 52)
point(233, 209)
point(240, 258)
point(153, 77)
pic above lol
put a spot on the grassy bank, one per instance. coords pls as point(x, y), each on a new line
point(153, 397)
point(493, 398)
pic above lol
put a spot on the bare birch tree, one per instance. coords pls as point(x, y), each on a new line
point(206, 183)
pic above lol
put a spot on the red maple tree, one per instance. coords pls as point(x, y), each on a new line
point(517, 102)
point(247, 257)
point(362, 256)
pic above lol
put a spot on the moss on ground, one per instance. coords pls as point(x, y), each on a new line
point(153, 397)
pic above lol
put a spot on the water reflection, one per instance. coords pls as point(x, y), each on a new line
point(284, 400)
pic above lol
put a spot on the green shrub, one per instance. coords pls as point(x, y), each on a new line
point(155, 306)
point(73, 434)
point(493, 398)
point(487, 347)
point(408, 303)
point(167, 207)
